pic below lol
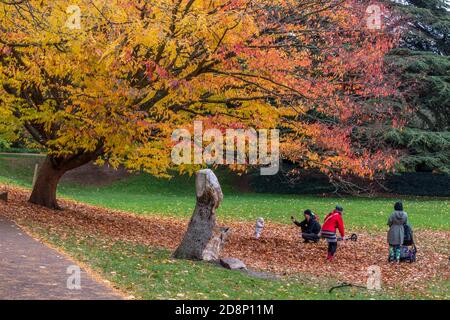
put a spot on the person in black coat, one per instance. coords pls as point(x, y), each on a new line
point(310, 227)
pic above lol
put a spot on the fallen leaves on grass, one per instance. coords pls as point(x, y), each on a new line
point(279, 250)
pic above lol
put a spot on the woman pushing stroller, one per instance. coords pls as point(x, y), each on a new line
point(399, 234)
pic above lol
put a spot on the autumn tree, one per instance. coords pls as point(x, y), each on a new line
point(336, 125)
point(110, 81)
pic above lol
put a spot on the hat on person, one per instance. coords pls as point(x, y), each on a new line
point(308, 212)
point(398, 206)
point(339, 208)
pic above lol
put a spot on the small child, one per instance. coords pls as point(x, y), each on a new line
point(259, 227)
point(332, 222)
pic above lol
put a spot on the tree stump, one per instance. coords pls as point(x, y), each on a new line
point(203, 239)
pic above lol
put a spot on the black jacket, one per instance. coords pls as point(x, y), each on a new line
point(311, 226)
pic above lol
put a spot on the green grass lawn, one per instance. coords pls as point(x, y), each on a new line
point(147, 195)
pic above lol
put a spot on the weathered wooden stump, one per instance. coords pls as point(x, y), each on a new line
point(203, 239)
point(4, 196)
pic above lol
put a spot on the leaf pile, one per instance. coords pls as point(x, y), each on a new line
point(279, 250)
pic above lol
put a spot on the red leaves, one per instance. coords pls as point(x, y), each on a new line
point(153, 70)
point(5, 50)
point(150, 69)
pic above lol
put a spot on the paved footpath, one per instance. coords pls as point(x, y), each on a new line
point(30, 270)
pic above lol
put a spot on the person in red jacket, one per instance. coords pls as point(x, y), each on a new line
point(332, 222)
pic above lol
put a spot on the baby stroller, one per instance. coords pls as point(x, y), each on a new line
point(408, 250)
point(408, 253)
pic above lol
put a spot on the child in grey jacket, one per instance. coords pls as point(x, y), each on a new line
point(259, 227)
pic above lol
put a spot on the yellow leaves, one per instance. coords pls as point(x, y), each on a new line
point(238, 27)
point(172, 62)
point(150, 37)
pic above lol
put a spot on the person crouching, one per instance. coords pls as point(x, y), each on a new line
point(332, 222)
point(310, 227)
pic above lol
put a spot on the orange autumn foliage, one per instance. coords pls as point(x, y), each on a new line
point(114, 79)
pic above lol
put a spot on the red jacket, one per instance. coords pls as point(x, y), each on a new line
point(333, 221)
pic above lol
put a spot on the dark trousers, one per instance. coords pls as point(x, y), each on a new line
point(310, 237)
point(332, 247)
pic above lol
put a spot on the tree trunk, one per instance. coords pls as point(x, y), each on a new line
point(44, 191)
point(204, 239)
point(51, 171)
